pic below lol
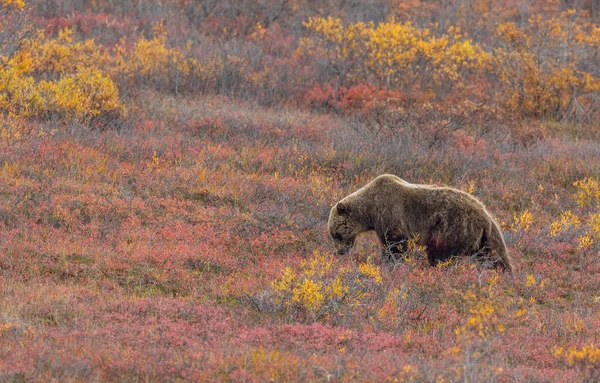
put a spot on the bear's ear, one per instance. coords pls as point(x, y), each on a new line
point(343, 208)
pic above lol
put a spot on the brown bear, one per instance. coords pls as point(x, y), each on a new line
point(448, 222)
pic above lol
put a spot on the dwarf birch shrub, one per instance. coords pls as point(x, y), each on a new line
point(549, 67)
point(393, 54)
point(85, 95)
point(58, 79)
point(322, 290)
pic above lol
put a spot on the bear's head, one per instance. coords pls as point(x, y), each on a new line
point(343, 227)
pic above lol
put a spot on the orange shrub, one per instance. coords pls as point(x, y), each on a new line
point(548, 68)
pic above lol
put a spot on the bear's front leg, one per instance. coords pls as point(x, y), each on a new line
point(392, 248)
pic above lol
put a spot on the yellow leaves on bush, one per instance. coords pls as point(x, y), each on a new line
point(19, 94)
point(337, 289)
point(483, 321)
point(523, 221)
point(488, 314)
point(50, 58)
point(17, 4)
point(588, 195)
point(567, 220)
point(544, 66)
point(394, 54)
point(588, 192)
point(318, 266)
point(509, 33)
point(594, 225)
point(285, 281)
point(151, 58)
point(11, 130)
point(84, 95)
point(74, 89)
point(332, 30)
point(14, 128)
point(320, 287)
point(589, 353)
point(370, 271)
point(584, 242)
point(152, 62)
point(390, 309)
point(586, 230)
point(304, 288)
point(74, 79)
point(309, 294)
point(586, 359)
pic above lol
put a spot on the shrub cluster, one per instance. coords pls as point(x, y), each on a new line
point(322, 290)
point(545, 68)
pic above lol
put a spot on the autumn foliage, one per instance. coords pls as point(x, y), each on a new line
point(549, 68)
point(167, 169)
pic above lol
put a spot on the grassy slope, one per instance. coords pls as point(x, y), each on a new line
point(131, 254)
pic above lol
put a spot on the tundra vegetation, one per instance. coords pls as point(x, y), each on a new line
point(167, 169)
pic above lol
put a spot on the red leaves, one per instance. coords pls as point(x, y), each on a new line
point(147, 253)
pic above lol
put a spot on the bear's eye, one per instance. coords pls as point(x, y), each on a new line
point(337, 236)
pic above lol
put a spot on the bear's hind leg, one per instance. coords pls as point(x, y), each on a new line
point(439, 251)
point(436, 255)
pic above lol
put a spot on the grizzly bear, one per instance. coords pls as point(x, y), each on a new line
point(447, 221)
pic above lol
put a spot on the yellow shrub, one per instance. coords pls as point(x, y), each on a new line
point(587, 356)
point(371, 271)
point(58, 78)
point(394, 307)
point(487, 313)
point(594, 224)
point(321, 288)
point(555, 228)
point(84, 95)
point(523, 221)
point(151, 62)
point(588, 191)
point(150, 58)
point(284, 282)
point(11, 129)
point(18, 4)
point(590, 353)
point(53, 57)
point(394, 54)
point(530, 280)
point(19, 94)
point(541, 65)
point(584, 242)
point(309, 295)
point(567, 220)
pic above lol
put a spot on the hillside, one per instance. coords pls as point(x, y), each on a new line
point(167, 169)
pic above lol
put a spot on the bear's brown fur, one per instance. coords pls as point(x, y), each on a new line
point(448, 222)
